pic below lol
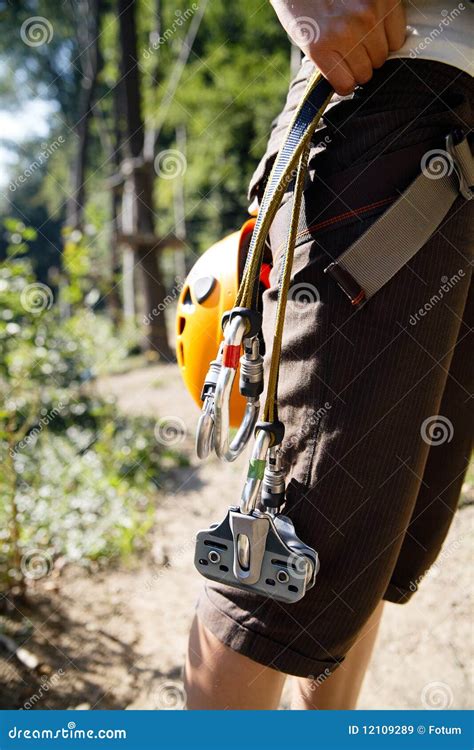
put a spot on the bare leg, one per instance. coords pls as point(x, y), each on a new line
point(341, 689)
point(216, 677)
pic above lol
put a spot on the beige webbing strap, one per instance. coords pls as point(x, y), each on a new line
point(372, 260)
point(380, 253)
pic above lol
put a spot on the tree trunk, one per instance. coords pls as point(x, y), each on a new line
point(88, 21)
point(113, 297)
point(140, 176)
point(180, 208)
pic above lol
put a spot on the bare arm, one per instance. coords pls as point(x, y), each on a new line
point(346, 39)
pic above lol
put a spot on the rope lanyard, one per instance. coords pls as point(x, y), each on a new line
point(298, 137)
point(290, 164)
point(270, 410)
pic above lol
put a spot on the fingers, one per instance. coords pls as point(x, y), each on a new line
point(345, 72)
point(354, 36)
point(395, 26)
point(360, 64)
point(336, 70)
point(376, 45)
point(352, 62)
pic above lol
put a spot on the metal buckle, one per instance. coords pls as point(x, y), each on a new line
point(347, 283)
point(256, 472)
point(249, 535)
point(205, 428)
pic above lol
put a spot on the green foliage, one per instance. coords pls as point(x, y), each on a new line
point(232, 87)
point(78, 480)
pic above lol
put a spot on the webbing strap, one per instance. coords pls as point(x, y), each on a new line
point(380, 253)
point(314, 101)
point(373, 259)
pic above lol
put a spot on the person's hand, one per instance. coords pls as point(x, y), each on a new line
point(346, 39)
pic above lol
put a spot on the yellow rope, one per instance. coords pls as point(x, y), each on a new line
point(269, 414)
point(251, 273)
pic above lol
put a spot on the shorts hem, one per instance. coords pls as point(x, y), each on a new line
point(397, 594)
point(259, 647)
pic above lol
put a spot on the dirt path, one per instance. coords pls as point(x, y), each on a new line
point(117, 639)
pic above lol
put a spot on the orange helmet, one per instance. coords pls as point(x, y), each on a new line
point(208, 292)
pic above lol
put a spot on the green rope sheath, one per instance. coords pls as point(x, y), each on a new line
point(256, 468)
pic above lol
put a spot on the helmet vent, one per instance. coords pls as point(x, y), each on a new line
point(187, 300)
point(181, 324)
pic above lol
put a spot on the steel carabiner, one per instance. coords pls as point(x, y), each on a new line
point(251, 386)
point(256, 472)
point(205, 426)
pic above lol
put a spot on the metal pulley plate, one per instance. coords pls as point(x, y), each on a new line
point(259, 553)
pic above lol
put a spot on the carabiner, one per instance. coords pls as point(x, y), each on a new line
point(256, 472)
point(205, 426)
point(252, 373)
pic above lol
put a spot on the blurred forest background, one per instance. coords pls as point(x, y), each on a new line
point(156, 116)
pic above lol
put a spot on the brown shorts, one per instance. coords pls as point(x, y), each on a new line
point(376, 403)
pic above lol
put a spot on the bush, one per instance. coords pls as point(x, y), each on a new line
point(78, 479)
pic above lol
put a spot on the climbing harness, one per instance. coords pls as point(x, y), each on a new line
point(255, 547)
point(390, 243)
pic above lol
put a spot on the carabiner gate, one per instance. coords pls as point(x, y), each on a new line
point(205, 426)
point(251, 385)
